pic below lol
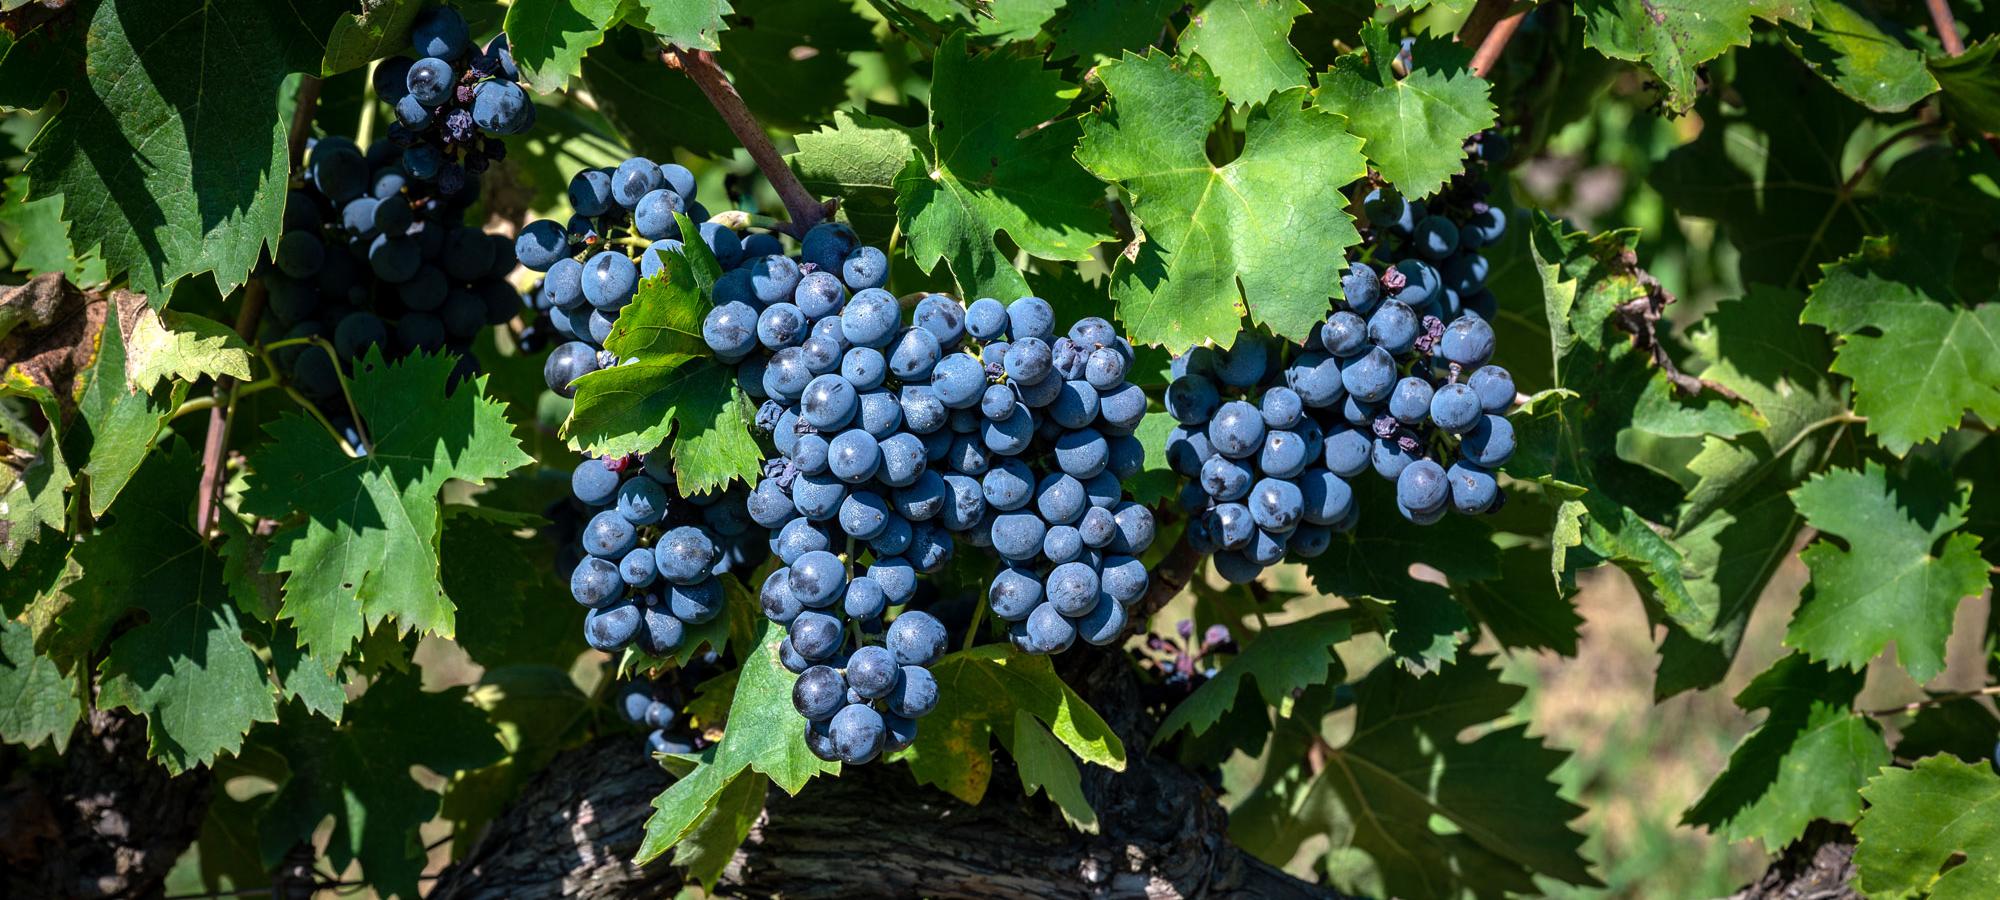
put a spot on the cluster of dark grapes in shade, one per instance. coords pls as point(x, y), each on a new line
point(373, 256)
point(645, 559)
point(449, 98)
point(659, 705)
point(1396, 381)
point(623, 219)
point(1179, 663)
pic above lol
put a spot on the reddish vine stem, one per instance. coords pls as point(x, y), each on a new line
point(1481, 20)
point(215, 443)
point(1494, 42)
point(806, 210)
point(1947, 27)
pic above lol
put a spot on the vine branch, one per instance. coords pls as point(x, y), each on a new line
point(1494, 42)
point(699, 65)
point(1947, 27)
point(1934, 700)
point(1484, 15)
point(215, 442)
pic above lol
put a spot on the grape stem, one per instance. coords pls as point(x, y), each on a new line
point(1947, 27)
point(1494, 42)
point(699, 65)
point(1485, 14)
point(1934, 700)
point(216, 441)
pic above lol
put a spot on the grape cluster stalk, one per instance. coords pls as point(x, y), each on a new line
point(1396, 381)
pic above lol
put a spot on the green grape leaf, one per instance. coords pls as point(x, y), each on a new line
point(1852, 52)
point(1155, 481)
point(550, 37)
point(1244, 43)
point(312, 681)
point(1519, 606)
point(358, 773)
point(115, 425)
point(1962, 727)
point(670, 384)
point(790, 59)
point(995, 166)
point(1674, 38)
point(1045, 765)
point(1007, 21)
point(1209, 228)
point(39, 63)
point(1901, 574)
point(979, 692)
point(709, 849)
point(1971, 85)
point(184, 347)
point(1441, 815)
point(187, 669)
point(1098, 30)
point(36, 231)
point(1281, 660)
point(1768, 167)
point(1932, 829)
point(504, 584)
point(1807, 761)
point(42, 703)
point(655, 112)
point(1413, 128)
point(367, 548)
point(764, 734)
point(1919, 359)
point(693, 24)
point(32, 498)
point(379, 29)
point(857, 159)
point(1370, 567)
point(207, 112)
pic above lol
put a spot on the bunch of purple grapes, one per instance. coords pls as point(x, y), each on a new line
point(623, 219)
point(660, 704)
point(1396, 381)
point(449, 98)
point(646, 559)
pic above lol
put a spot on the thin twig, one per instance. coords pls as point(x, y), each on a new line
point(215, 441)
point(699, 65)
point(1494, 42)
point(1935, 700)
point(1853, 181)
point(1484, 15)
point(1947, 27)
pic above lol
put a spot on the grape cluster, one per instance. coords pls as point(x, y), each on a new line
point(1396, 380)
point(449, 98)
point(591, 266)
point(372, 255)
point(658, 705)
point(645, 560)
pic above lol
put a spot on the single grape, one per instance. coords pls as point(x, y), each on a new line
point(1369, 377)
point(595, 582)
point(1048, 631)
point(1468, 341)
point(1410, 402)
point(1072, 588)
point(1421, 486)
point(1031, 317)
point(872, 672)
point(819, 693)
point(696, 603)
point(1361, 287)
point(1435, 237)
point(858, 733)
point(685, 555)
point(1237, 430)
point(916, 638)
point(613, 627)
point(915, 693)
point(816, 635)
point(1494, 386)
point(1489, 442)
point(986, 319)
point(1455, 408)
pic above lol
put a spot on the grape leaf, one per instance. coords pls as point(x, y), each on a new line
point(1675, 37)
point(115, 425)
point(1370, 567)
point(185, 347)
point(508, 591)
point(1244, 43)
point(764, 734)
point(358, 772)
point(550, 37)
point(366, 550)
point(1209, 227)
point(42, 703)
point(1894, 581)
point(1960, 726)
point(1500, 817)
point(655, 112)
point(1853, 53)
point(36, 232)
point(1015, 20)
point(380, 28)
point(1918, 358)
point(670, 383)
point(979, 692)
point(790, 58)
point(1282, 660)
point(1931, 829)
point(187, 669)
point(1045, 765)
point(1519, 607)
point(1971, 85)
point(1097, 30)
point(857, 159)
point(196, 83)
point(709, 849)
point(693, 24)
point(997, 165)
point(33, 496)
point(1413, 128)
point(1805, 762)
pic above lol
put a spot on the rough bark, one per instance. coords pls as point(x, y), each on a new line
point(1817, 866)
point(108, 823)
point(875, 832)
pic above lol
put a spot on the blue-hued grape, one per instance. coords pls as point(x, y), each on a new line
point(1369, 377)
point(1473, 488)
point(1468, 341)
point(696, 603)
point(923, 499)
point(815, 635)
point(1421, 486)
point(1466, 273)
point(819, 294)
point(1105, 368)
point(916, 638)
point(609, 535)
point(858, 733)
point(872, 672)
point(653, 217)
point(1011, 435)
point(776, 600)
point(1384, 206)
point(1455, 408)
point(1315, 377)
point(1276, 504)
point(864, 268)
point(1243, 366)
point(958, 380)
point(863, 515)
point(1326, 498)
point(1031, 317)
point(730, 330)
point(1062, 543)
point(810, 454)
point(1135, 528)
point(986, 319)
point(608, 280)
point(642, 501)
point(1410, 403)
point(829, 403)
point(915, 693)
point(1018, 535)
point(1048, 631)
point(897, 578)
point(593, 482)
point(1225, 479)
point(429, 83)
point(1266, 547)
point(1122, 409)
point(1285, 454)
point(854, 456)
point(613, 627)
point(870, 318)
point(1435, 237)
point(1361, 287)
point(1097, 527)
point(1028, 360)
point(1487, 225)
point(1494, 387)
point(782, 325)
point(1394, 327)
point(1102, 625)
point(1124, 578)
point(965, 502)
point(914, 355)
point(1422, 283)
point(880, 414)
point(940, 315)
point(864, 599)
point(1008, 486)
point(1072, 588)
point(1389, 458)
point(819, 693)
point(1489, 442)
point(1014, 593)
point(685, 555)
point(1083, 453)
point(722, 242)
point(1191, 399)
point(595, 582)
point(1076, 405)
point(1237, 430)
point(864, 367)
point(1345, 334)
